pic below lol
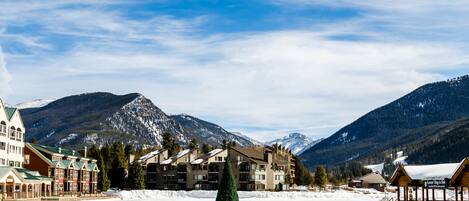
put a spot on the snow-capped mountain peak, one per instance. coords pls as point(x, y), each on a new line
point(34, 103)
point(296, 142)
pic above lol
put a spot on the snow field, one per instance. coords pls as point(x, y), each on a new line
point(340, 195)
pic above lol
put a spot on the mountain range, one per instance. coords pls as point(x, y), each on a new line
point(296, 142)
point(430, 124)
point(98, 118)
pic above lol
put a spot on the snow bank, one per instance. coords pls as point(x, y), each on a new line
point(243, 195)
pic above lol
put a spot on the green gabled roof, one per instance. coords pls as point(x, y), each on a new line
point(59, 164)
point(65, 152)
point(32, 175)
point(80, 165)
point(10, 111)
point(92, 166)
point(4, 170)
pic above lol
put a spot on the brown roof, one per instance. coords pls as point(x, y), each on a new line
point(373, 178)
point(254, 153)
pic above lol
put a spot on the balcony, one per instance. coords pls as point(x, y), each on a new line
point(214, 169)
point(181, 180)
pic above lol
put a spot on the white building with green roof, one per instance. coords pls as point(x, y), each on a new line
point(11, 137)
point(15, 181)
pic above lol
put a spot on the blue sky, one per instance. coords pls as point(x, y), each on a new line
point(265, 68)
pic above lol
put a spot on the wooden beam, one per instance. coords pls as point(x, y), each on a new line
point(416, 193)
point(433, 194)
point(423, 193)
point(456, 192)
point(462, 193)
point(444, 194)
point(398, 193)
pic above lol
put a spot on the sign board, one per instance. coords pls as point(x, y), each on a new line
point(437, 183)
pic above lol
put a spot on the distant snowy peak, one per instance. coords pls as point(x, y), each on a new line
point(254, 141)
point(34, 103)
point(296, 142)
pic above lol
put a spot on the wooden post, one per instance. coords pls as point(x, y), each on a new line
point(444, 194)
point(406, 193)
point(416, 193)
point(433, 194)
point(423, 193)
point(398, 193)
point(456, 192)
point(462, 193)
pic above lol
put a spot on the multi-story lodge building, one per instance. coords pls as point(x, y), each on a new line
point(150, 163)
point(259, 168)
point(71, 173)
point(255, 168)
point(15, 181)
point(206, 171)
point(175, 170)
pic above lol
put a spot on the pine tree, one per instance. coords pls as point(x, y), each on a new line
point(320, 177)
point(227, 190)
point(106, 153)
point(206, 148)
point(93, 152)
point(103, 180)
point(129, 149)
point(302, 174)
point(136, 179)
point(118, 166)
point(193, 144)
point(169, 144)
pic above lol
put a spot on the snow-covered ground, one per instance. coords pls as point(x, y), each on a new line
point(340, 195)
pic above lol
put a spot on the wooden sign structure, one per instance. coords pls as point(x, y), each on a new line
point(419, 182)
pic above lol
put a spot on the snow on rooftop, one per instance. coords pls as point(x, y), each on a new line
point(214, 152)
point(198, 161)
point(400, 160)
point(149, 155)
point(182, 153)
point(437, 171)
point(167, 161)
point(375, 167)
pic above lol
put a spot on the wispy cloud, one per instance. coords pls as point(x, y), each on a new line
point(275, 81)
point(4, 76)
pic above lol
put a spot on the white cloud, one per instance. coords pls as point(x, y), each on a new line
point(277, 81)
point(4, 76)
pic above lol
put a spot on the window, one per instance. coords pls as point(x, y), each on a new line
point(26, 159)
point(260, 177)
point(12, 163)
point(3, 128)
point(219, 158)
point(12, 133)
point(3, 146)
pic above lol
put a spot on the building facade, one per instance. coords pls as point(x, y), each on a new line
point(255, 168)
point(71, 173)
point(150, 163)
point(15, 181)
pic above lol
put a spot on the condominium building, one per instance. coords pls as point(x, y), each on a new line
point(206, 171)
point(255, 168)
point(71, 173)
point(150, 163)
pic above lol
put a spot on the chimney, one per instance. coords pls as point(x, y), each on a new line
point(60, 150)
point(85, 152)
